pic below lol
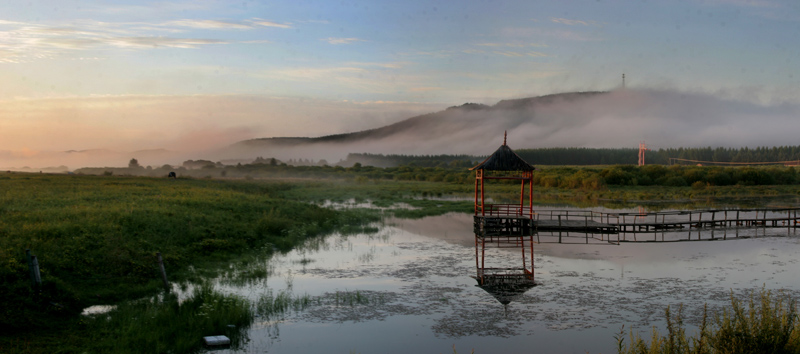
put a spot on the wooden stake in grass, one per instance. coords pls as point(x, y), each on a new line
point(37, 277)
point(163, 272)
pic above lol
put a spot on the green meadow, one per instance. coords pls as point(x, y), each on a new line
point(96, 239)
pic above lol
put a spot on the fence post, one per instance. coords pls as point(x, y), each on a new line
point(163, 272)
point(37, 277)
point(30, 265)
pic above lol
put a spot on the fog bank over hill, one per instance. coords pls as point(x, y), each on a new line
point(612, 119)
point(160, 129)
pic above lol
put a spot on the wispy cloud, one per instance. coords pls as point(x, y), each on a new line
point(745, 3)
point(510, 45)
point(25, 42)
point(425, 89)
point(321, 22)
point(209, 24)
point(266, 23)
point(155, 42)
point(568, 22)
point(508, 53)
point(317, 73)
point(436, 54)
point(335, 40)
point(390, 65)
point(550, 33)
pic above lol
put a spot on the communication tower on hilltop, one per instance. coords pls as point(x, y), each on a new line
point(623, 81)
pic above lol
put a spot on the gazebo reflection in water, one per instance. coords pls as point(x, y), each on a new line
point(504, 226)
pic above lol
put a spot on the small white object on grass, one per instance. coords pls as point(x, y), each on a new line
point(216, 340)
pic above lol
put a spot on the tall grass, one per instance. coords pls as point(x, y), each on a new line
point(763, 323)
point(163, 324)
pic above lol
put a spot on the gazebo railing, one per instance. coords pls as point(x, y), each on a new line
point(505, 210)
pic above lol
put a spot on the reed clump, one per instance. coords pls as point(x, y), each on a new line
point(761, 323)
point(271, 305)
point(165, 323)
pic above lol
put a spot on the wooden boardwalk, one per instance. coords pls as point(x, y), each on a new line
point(572, 220)
point(504, 229)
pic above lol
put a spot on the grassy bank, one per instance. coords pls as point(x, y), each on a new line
point(96, 238)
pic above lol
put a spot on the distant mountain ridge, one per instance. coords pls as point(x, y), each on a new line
point(428, 126)
point(613, 119)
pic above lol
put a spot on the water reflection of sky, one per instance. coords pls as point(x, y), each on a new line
point(416, 274)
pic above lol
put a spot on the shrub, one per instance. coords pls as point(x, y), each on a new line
point(675, 181)
point(617, 175)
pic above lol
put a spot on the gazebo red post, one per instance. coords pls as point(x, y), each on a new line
point(530, 196)
point(483, 201)
point(477, 177)
point(522, 198)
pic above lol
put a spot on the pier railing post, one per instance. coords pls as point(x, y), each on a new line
point(586, 225)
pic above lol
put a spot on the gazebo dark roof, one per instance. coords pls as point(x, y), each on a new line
point(504, 159)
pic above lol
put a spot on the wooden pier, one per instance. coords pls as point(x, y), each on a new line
point(504, 229)
point(602, 222)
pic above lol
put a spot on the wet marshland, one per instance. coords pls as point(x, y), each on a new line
point(409, 287)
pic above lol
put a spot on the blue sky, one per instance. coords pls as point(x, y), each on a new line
point(72, 70)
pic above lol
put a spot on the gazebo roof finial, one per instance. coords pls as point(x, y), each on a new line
point(505, 136)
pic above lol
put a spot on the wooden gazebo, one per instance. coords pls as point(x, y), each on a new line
point(504, 163)
point(504, 225)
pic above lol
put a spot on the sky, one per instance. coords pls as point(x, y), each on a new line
point(192, 75)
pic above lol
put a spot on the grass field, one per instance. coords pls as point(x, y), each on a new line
point(96, 238)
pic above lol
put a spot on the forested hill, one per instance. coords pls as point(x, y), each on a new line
point(588, 156)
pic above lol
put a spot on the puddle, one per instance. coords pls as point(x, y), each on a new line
point(414, 281)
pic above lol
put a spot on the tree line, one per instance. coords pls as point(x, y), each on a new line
point(590, 156)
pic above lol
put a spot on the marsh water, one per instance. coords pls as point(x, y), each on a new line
point(409, 288)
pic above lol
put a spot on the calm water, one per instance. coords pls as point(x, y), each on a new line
point(416, 278)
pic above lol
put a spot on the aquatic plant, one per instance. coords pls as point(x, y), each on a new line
point(766, 324)
point(270, 305)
